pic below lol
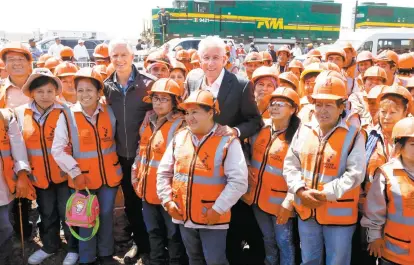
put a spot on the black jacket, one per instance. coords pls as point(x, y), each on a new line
point(236, 101)
point(129, 111)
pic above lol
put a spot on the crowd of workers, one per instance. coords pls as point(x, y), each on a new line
point(284, 162)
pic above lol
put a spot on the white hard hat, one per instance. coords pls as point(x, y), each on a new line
point(81, 41)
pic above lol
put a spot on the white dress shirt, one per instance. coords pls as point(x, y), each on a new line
point(215, 87)
point(54, 50)
point(14, 95)
point(80, 52)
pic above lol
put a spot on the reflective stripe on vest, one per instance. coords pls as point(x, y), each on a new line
point(267, 187)
point(199, 175)
point(152, 145)
point(322, 165)
point(38, 139)
point(5, 152)
point(399, 227)
point(94, 148)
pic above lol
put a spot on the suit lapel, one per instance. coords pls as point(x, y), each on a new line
point(224, 88)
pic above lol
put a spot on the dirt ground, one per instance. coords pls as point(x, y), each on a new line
point(122, 242)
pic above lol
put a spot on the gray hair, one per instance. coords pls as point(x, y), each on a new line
point(211, 42)
point(116, 42)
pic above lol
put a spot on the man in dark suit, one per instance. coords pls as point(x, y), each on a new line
point(240, 115)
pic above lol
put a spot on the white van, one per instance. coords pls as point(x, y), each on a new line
point(401, 40)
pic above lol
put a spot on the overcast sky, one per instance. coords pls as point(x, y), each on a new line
point(118, 18)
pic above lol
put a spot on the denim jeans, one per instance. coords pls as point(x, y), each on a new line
point(277, 238)
point(160, 229)
point(6, 232)
point(52, 210)
point(103, 242)
point(205, 246)
point(337, 241)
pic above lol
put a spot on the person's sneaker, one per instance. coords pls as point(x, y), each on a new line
point(38, 257)
point(131, 254)
point(71, 258)
point(143, 260)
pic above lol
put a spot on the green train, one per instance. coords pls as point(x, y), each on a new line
point(303, 21)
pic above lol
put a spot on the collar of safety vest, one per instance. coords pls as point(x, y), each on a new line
point(212, 131)
point(314, 125)
point(169, 117)
point(77, 107)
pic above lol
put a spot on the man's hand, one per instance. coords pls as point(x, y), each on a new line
point(321, 196)
point(375, 248)
point(23, 184)
point(80, 182)
point(226, 131)
point(309, 198)
point(283, 216)
point(212, 216)
point(173, 210)
point(146, 120)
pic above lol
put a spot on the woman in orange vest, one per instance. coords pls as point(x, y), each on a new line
point(389, 208)
point(268, 191)
point(324, 168)
point(37, 121)
point(265, 81)
point(165, 95)
point(89, 129)
point(394, 105)
point(200, 177)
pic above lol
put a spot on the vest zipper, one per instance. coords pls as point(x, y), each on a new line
point(44, 148)
point(190, 175)
point(148, 151)
point(99, 151)
point(262, 167)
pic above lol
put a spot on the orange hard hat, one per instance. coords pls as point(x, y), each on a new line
point(90, 73)
point(264, 71)
point(335, 51)
point(405, 61)
point(201, 97)
point(42, 59)
point(312, 68)
point(410, 83)
point(2, 65)
point(102, 70)
point(396, 89)
point(290, 78)
point(403, 128)
point(295, 64)
point(324, 74)
point(101, 51)
point(164, 85)
point(178, 65)
point(65, 69)
point(253, 57)
point(266, 56)
point(314, 53)
point(311, 60)
point(331, 66)
point(195, 58)
point(182, 55)
point(40, 72)
point(376, 91)
point(284, 92)
point(15, 47)
point(364, 56)
point(388, 56)
point(348, 45)
point(191, 52)
point(284, 48)
point(158, 57)
point(375, 71)
point(66, 52)
point(51, 63)
point(330, 87)
point(110, 69)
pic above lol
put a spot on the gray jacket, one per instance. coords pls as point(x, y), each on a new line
point(129, 111)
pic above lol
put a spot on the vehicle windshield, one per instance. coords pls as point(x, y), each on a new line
point(172, 43)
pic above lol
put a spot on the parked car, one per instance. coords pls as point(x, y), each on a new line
point(70, 42)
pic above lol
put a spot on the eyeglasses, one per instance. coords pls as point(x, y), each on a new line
point(162, 100)
point(280, 104)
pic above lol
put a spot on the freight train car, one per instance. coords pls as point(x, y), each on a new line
point(375, 15)
point(304, 21)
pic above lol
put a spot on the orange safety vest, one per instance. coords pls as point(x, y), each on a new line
point(267, 188)
point(38, 139)
point(399, 227)
point(199, 175)
point(94, 148)
point(321, 163)
point(5, 151)
point(151, 148)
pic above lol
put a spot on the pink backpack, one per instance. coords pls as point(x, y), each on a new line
point(82, 211)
